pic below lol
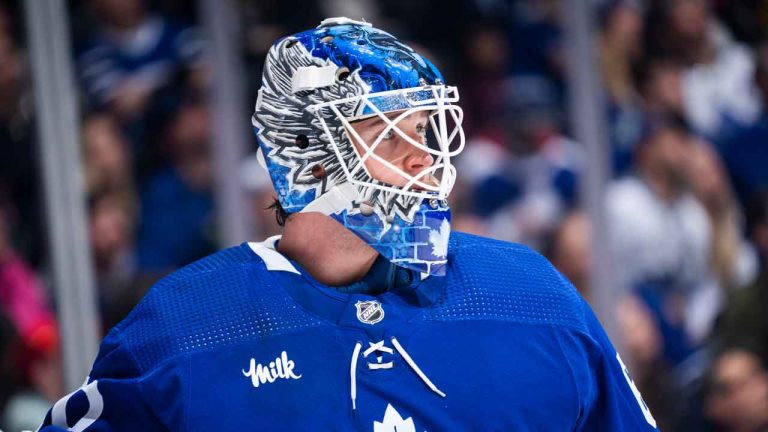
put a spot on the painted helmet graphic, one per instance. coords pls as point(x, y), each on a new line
point(317, 87)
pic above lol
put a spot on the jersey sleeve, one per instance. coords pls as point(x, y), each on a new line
point(608, 398)
point(117, 396)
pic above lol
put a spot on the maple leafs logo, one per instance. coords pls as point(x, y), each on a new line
point(394, 422)
point(439, 239)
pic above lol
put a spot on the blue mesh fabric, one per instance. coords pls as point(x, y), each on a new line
point(219, 300)
point(494, 280)
point(228, 297)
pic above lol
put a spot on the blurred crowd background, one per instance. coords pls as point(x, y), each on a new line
point(686, 103)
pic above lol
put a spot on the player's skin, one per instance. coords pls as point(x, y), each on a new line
point(393, 148)
point(332, 254)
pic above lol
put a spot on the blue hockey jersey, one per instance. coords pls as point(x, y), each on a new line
point(246, 340)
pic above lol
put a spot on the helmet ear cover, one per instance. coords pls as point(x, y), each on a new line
point(305, 119)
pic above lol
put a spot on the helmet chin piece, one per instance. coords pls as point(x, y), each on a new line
point(420, 245)
point(417, 241)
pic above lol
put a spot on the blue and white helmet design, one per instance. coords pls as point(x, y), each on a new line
point(315, 85)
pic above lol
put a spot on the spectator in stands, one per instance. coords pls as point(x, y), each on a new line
point(569, 250)
point(112, 210)
point(679, 30)
point(133, 53)
point(111, 226)
point(661, 238)
point(660, 83)
point(138, 65)
point(661, 245)
point(35, 357)
point(107, 158)
point(733, 260)
point(176, 222)
point(736, 398)
point(718, 92)
point(745, 320)
point(22, 297)
point(659, 88)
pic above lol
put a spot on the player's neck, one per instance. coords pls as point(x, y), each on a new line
point(325, 249)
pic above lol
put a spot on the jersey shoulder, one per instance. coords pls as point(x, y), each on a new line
point(495, 280)
point(222, 299)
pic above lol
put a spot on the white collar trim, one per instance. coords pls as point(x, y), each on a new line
point(272, 258)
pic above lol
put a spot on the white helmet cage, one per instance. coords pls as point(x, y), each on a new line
point(445, 141)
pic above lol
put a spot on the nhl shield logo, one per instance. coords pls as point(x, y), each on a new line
point(369, 312)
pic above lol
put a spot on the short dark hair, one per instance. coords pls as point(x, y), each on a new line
point(646, 70)
point(658, 121)
point(709, 384)
point(280, 214)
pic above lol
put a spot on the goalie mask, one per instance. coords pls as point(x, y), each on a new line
point(354, 124)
